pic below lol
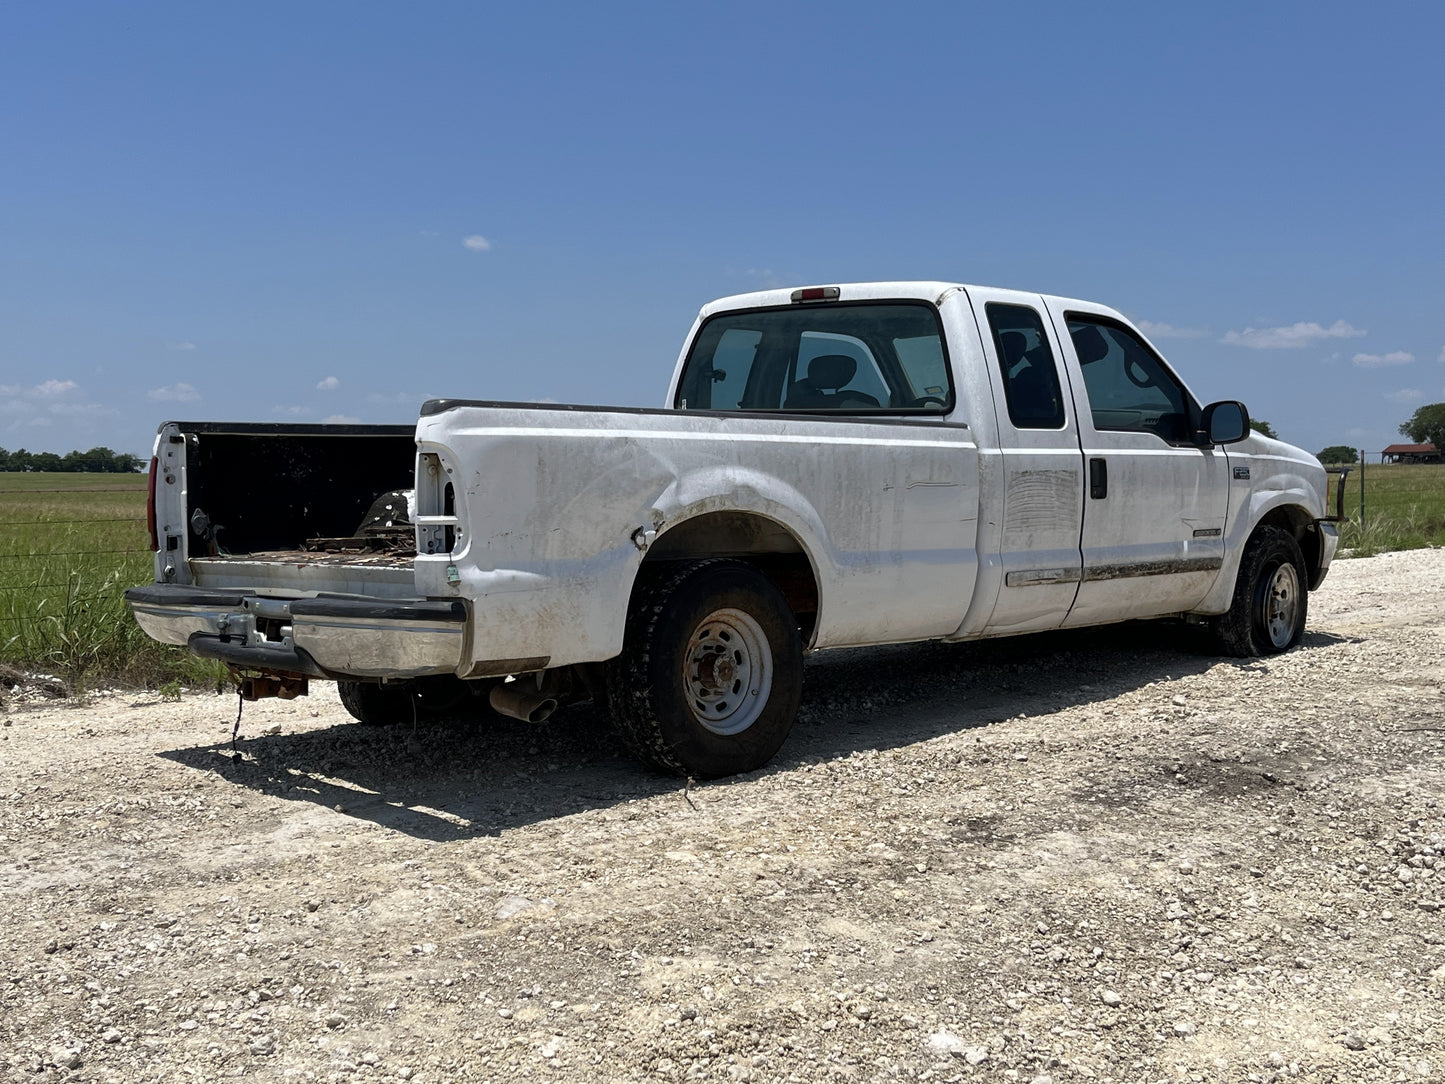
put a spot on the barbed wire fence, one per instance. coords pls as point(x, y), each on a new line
point(70, 544)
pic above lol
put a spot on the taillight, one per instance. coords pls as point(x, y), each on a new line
point(151, 505)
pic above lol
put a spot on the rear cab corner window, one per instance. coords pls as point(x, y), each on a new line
point(1130, 387)
point(844, 358)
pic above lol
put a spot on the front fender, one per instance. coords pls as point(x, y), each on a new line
point(1286, 490)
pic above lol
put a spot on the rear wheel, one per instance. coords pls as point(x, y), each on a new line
point(1271, 599)
point(711, 671)
point(375, 705)
point(424, 699)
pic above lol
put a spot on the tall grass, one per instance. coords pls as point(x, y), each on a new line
point(1404, 508)
point(70, 544)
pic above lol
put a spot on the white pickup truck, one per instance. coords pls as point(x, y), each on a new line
point(834, 466)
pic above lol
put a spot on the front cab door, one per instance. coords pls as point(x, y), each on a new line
point(1155, 500)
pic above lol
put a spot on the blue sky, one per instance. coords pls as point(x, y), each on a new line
point(323, 211)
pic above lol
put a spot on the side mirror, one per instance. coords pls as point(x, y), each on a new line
point(1224, 423)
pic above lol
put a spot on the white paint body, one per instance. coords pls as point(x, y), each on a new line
point(955, 527)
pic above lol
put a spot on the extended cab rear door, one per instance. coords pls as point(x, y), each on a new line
point(1154, 514)
point(1040, 465)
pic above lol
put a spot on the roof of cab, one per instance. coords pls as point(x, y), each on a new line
point(930, 291)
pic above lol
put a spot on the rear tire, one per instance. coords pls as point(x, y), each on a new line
point(711, 671)
point(1271, 598)
point(424, 699)
point(375, 705)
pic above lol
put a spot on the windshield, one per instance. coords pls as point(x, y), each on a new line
point(867, 358)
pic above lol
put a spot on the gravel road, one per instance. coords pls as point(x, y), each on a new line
point(1103, 855)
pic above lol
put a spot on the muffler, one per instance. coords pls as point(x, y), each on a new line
point(511, 700)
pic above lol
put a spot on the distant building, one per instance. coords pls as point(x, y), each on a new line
point(1411, 453)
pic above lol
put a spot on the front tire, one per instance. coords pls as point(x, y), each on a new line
point(711, 671)
point(1271, 599)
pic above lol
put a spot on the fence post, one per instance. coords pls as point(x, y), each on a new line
point(1362, 487)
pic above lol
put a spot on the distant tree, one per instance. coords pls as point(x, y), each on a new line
point(1338, 453)
point(99, 460)
point(1259, 425)
point(1426, 425)
point(45, 461)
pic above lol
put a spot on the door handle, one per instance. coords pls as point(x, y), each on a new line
point(1098, 479)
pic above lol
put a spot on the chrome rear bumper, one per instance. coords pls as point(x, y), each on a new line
point(323, 636)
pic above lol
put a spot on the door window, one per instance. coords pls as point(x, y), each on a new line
point(1130, 388)
point(1030, 376)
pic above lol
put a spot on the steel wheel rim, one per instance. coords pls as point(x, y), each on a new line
point(1281, 605)
point(727, 671)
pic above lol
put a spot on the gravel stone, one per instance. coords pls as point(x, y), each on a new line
point(1188, 841)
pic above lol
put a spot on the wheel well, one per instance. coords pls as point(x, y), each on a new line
point(1301, 524)
point(763, 543)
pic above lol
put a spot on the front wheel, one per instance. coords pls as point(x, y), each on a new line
point(711, 671)
point(1271, 600)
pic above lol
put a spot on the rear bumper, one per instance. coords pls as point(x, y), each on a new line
point(322, 636)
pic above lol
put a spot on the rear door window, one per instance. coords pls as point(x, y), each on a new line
point(1030, 374)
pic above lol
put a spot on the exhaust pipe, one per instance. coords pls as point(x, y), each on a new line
point(508, 699)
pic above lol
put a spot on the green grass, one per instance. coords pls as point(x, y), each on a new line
point(1404, 508)
point(70, 544)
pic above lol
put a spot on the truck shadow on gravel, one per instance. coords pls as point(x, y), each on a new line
point(460, 778)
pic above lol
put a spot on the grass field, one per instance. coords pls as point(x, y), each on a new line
point(1404, 508)
point(71, 543)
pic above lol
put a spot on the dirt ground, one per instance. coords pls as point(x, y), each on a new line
point(1105, 855)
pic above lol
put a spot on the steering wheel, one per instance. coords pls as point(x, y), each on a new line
point(1146, 380)
point(924, 400)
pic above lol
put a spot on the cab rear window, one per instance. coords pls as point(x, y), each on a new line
point(863, 358)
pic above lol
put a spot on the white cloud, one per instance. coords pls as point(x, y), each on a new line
point(73, 410)
point(174, 393)
point(331, 383)
point(477, 243)
point(341, 419)
point(1405, 395)
point(291, 411)
point(52, 388)
point(1292, 337)
point(182, 344)
point(1169, 331)
point(1379, 361)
